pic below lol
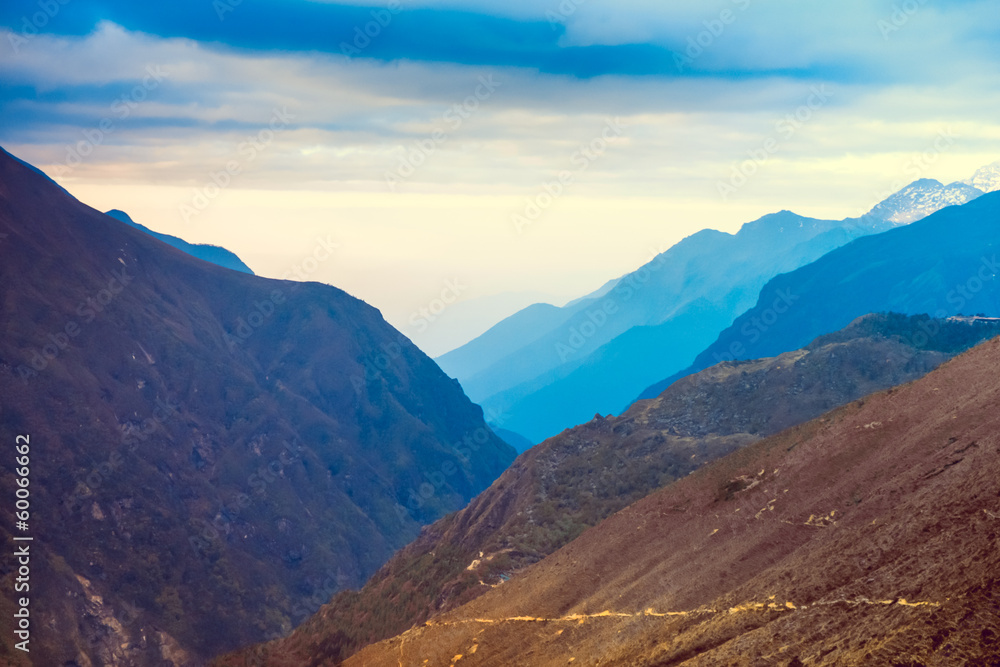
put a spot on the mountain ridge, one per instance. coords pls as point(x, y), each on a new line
point(714, 274)
point(921, 198)
point(212, 450)
point(210, 253)
point(986, 178)
point(598, 357)
point(866, 536)
point(559, 488)
point(944, 264)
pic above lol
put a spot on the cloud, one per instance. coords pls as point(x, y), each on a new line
point(580, 38)
point(562, 70)
point(358, 120)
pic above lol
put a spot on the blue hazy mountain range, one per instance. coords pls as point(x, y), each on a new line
point(944, 265)
point(209, 253)
point(547, 368)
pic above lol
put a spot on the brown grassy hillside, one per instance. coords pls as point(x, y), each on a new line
point(865, 537)
point(555, 491)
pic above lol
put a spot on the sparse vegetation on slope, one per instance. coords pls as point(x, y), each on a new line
point(558, 489)
point(865, 537)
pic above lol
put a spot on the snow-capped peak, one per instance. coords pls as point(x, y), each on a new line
point(986, 178)
point(921, 198)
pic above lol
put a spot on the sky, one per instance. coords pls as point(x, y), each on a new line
point(449, 161)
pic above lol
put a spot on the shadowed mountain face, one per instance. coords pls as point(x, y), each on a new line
point(213, 454)
point(209, 253)
point(946, 264)
point(556, 490)
point(866, 537)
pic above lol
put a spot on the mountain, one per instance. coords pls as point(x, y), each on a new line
point(437, 330)
point(921, 198)
point(515, 440)
point(986, 179)
point(945, 264)
point(926, 195)
point(547, 368)
point(865, 537)
point(502, 339)
point(599, 292)
point(605, 380)
point(209, 253)
point(556, 490)
point(212, 454)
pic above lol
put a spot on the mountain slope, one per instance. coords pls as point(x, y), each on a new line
point(605, 380)
point(503, 338)
point(212, 452)
point(866, 537)
point(945, 264)
point(209, 253)
point(705, 265)
point(596, 353)
point(572, 481)
point(716, 274)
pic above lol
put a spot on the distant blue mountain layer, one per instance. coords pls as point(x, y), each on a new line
point(208, 253)
point(943, 265)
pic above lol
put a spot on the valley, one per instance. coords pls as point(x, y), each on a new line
point(388, 519)
point(478, 334)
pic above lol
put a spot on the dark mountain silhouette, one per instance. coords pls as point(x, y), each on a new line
point(945, 264)
point(865, 537)
point(209, 253)
point(556, 490)
point(213, 454)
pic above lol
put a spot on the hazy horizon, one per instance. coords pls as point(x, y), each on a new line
point(428, 160)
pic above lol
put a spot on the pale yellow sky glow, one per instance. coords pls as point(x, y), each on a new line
point(396, 251)
point(418, 170)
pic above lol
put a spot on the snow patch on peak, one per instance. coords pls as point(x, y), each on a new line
point(986, 178)
point(921, 198)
